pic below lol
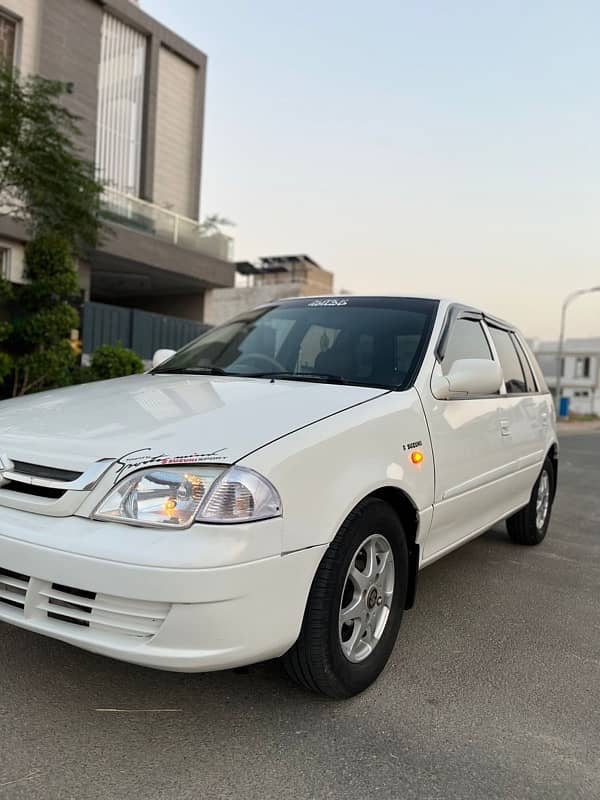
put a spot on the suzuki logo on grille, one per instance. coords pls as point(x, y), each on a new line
point(5, 466)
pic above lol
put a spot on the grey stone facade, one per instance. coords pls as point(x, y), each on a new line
point(63, 39)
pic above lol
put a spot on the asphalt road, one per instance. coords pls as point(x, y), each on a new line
point(493, 691)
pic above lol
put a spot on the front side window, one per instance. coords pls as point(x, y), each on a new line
point(466, 340)
point(514, 378)
point(8, 38)
point(361, 341)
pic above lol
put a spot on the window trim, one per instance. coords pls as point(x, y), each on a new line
point(458, 311)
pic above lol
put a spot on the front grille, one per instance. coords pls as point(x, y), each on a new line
point(36, 491)
point(62, 605)
point(13, 588)
point(35, 487)
point(39, 471)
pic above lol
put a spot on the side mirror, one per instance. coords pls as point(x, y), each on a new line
point(160, 357)
point(468, 377)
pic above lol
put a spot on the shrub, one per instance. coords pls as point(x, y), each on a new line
point(114, 361)
point(5, 359)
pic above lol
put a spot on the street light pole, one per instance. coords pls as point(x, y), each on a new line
point(561, 342)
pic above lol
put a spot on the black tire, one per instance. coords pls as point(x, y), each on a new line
point(523, 526)
point(317, 661)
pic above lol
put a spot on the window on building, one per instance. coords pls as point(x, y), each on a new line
point(5, 263)
point(514, 378)
point(467, 340)
point(8, 38)
point(582, 367)
point(120, 105)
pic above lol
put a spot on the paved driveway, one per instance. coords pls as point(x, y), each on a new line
point(493, 691)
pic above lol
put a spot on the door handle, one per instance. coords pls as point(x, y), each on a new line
point(544, 416)
point(505, 427)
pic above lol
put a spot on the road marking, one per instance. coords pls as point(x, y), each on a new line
point(136, 710)
point(20, 780)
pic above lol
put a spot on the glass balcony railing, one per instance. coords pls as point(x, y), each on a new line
point(153, 220)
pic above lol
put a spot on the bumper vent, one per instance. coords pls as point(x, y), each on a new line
point(59, 596)
point(13, 588)
point(56, 604)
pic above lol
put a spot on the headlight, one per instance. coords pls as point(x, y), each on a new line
point(173, 497)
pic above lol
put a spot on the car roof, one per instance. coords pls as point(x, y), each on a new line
point(445, 303)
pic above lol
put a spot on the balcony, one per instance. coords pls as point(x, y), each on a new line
point(160, 223)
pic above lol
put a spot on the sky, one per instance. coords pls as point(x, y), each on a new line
point(431, 147)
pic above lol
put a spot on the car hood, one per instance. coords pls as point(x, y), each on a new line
point(218, 419)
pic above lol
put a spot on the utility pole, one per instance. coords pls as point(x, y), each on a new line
point(561, 342)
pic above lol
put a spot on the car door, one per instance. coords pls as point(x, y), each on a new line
point(524, 416)
point(469, 454)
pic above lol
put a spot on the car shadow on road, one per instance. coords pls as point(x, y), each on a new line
point(75, 679)
point(97, 728)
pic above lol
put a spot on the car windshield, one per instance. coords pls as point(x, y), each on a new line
point(352, 340)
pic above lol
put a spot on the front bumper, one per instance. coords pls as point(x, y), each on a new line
point(178, 617)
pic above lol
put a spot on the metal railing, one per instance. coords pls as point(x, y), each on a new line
point(153, 220)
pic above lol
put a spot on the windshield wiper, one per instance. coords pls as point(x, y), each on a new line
point(191, 371)
point(325, 377)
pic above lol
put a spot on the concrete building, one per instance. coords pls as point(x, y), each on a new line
point(272, 278)
point(139, 90)
point(580, 371)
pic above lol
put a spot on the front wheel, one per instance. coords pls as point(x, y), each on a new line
point(530, 524)
point(355, 605)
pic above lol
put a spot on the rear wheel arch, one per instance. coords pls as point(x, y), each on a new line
point(553, 456)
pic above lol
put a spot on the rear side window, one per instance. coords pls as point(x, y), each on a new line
point(549, 363)
point(514, 377)
point(529, 377)
point(466, 340)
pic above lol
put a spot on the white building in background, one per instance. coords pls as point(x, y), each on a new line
point(580, 371)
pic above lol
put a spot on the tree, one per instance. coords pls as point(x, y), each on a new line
point(44, 181)
point(50, 187)
point(44, 317)
point(213, 223)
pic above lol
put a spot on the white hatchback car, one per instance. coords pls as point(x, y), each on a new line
point(274, 487)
